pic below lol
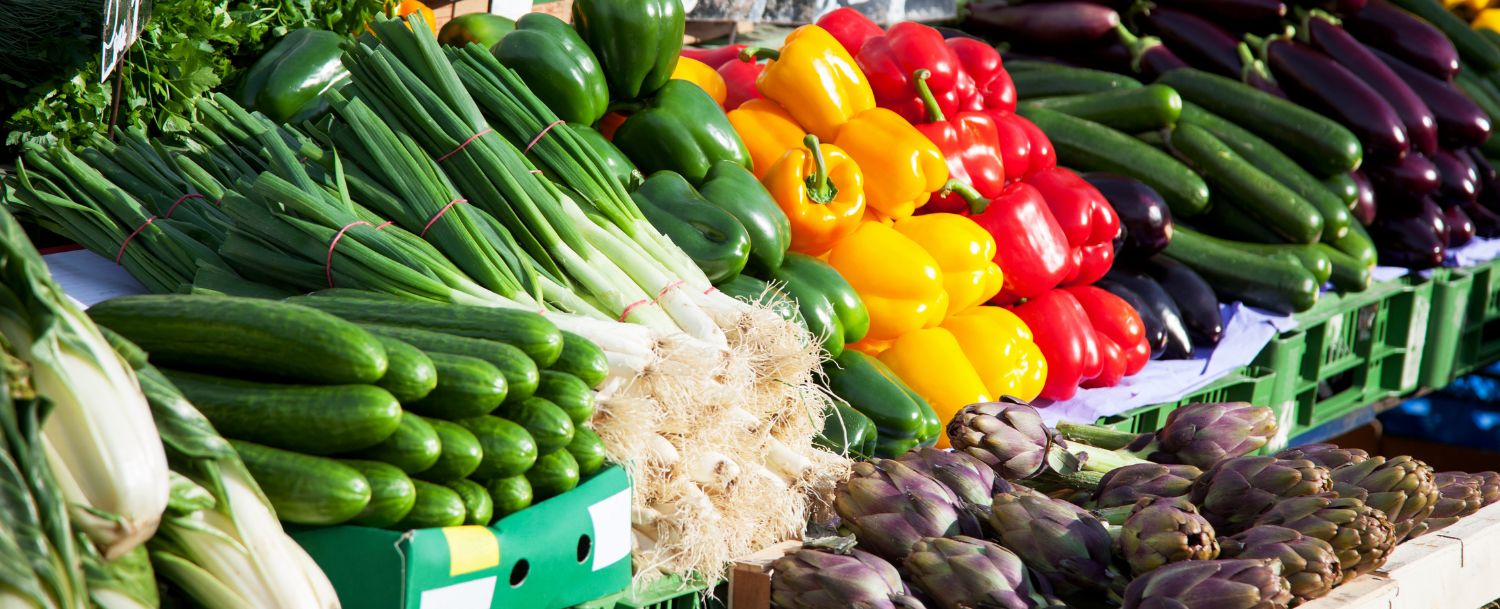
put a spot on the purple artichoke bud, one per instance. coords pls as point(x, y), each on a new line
point(1459, 495)
point(964, 572)
point(1129, 484)
point(889, 507)
point(1326, 455)
point(1009, 437)
point(1360, 535)
point(1059, 541)
point(1162, 531)
point(1401, 487)
point(1204, 434)
point(970, 479)
point(1489, 487)
point(1211, 584)
point(1237, 491)
point(1309, 564)
point(815, 578)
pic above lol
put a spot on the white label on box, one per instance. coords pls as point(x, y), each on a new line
point(477, 594)
point(90, 278)
point(611, 529)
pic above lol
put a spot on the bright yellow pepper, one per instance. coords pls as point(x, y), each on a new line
point(933, 364)
point(902, 167)
point(900, 283)
point(965, 252)
point(1488, 19)
point(705, 77)
point(815, 79)
point(767, 130)
point(821, 191)
point(999, 346)
point(407, 7)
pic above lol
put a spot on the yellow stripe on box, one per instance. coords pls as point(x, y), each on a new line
point(471, 549)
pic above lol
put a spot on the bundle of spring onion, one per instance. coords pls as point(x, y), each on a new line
point(711, 403)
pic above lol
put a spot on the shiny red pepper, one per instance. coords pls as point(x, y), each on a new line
point(970, 143)
point(1015, 144)
point(1061, 329)
point(890, 60)
point(1043, 157)
point(1085, 217)
point(739, 81)
point(850, 27)
point(992, 88)
point(1029, 244)
point(1115, 320)
point(1112, 360)
point(714, 57)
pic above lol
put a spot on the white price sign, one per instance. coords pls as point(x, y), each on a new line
point(122, 24)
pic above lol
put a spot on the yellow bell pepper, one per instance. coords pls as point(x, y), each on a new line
point(933, 364)
point(407, 7)
point(821, 191)
point(705, 77)
point(899, 282)
point(902, 167)
point(965, 252)
point(1488, 19)
point(999, 346)
point(815, 79)
point(767, 130)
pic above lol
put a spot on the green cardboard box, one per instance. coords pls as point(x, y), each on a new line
point(558, 553)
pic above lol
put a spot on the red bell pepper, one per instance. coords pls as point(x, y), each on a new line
point(992, 86)
point(971, 145)
point(1043, 157)
point(1085, 217)
point(1029, 244)
point(739, 81)
point(1116, 320)
point(1015, 144)
point(714, 57)
point(890, 60)
point(1062, 331)
point(1112, 370)
point(850, 27)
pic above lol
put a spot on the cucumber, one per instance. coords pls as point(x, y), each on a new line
point(245, 337)
point(569, 393)
point(554, 474)
point(460, 456)
point(1319, 144)
point(509, 495)
point(1358, 245)
point(548, 424)
point(413, 448)
point(392, 495)
point(1231, 222)
point(1054, 81)
point(1349, 274)
point(312, 419)
point(587, 450)
point(436, 507)
point(1310, 257)
point(409, 374)
point(1275, 163)
point(1280, 284)
point(1344, 187)
point(521, 374)
point(532, 333)
point(305, 489)
point(1134, 110)
point(1089, 146)
point(1239, 183)
point(466, 387)
point(508, 449)
point(478, 507)
point(583, 359)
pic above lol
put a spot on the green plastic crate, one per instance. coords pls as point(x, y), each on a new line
point(1479, 345)
point(1447, 356)
point(1252, 384)
point(670, 592)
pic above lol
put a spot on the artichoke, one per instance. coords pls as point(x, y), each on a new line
point(1129, 484)
point(817, 578)
point(964, 572)
point(1162, 531)
point(1360, 535)
point(1196, 434)
point(1459, 495)
point(1059, 541)
point(1489, 487)
point(970, 479)
point(1011, 438)
point(1401, 487)
point(1309, 564)
point(889, 506)
point(1211, 584)
point(1327, 455)
point(1237, 491)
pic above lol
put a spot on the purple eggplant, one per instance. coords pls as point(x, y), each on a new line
point(1459, 178)
point(1335, 42)
point(1460, 122)
point(1404, 35)
point(1342, 7)
point(1149, 57)
point(1155, 329)
point(1364, 204)
point(1202, 43)
point(1489, 182)
point(1320, 83)
point(1405, 183)
point(1178, 346)
point(1232, 11)
point(1460, 226)
point(1486, 222)
point(1195, 299)
point(1415, 239)
point(1144, 218)
point(1053, 24)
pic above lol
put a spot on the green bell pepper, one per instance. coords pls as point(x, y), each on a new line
point(755, 291)
point(558, 66)
point(847, 305)
point(814, 307)
point(486, 29)
point(711, 236)
point(680, 129)
point(288, 82)
point(848, 432)
point(614, 160)
point(870, 388)
point(637, 41)
point(735, 190)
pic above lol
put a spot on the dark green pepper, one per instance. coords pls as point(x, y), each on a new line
point(680, 129)
point(869, 387)
point(711, 236)
point(288, 82)
point(614, 160)
point(848, 432)
point(755, 291)
point(637, 41)
point(558, 66)
point(735, 190)
point(847, 304)
point(817, 311)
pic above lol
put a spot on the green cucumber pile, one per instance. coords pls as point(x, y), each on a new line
point(355, 408)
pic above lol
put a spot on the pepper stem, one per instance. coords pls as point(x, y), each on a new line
point(820, 188)
point(977, 202)
point(929, 101)
point(751, 54)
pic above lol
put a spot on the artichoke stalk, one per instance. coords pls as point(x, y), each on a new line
point(964, 572)
point(1401, 487)
point(1360, 535)
point(1459, 496)
point(818, 577)
point(1058, 540)
point(1196, 434)
point(1161, 531)
point(1211, 584)
point(1129, 484)
point(1237, 491)
point(889, 507)
point(1010, 437)
point(1309, 564)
